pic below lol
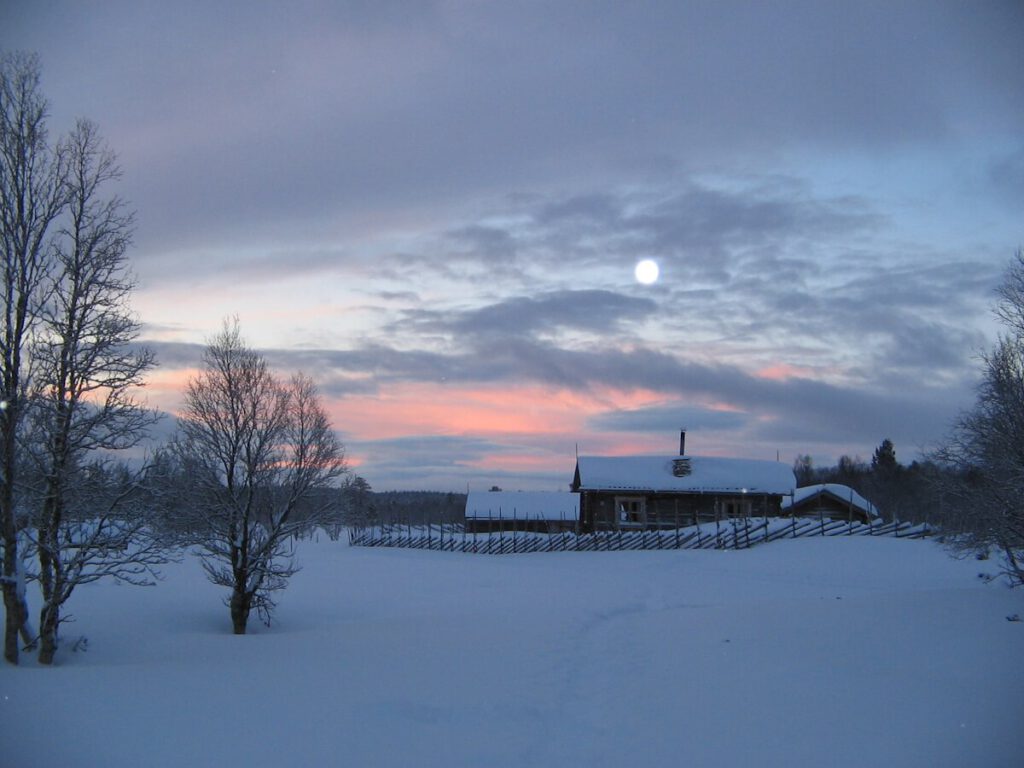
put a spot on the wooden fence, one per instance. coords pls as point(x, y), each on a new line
point(728, 534)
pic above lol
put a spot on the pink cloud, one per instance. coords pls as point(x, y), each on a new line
point(784, 371)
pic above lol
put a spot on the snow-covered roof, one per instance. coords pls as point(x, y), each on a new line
point(693, 474)
point(843, 493)
point(522, 505)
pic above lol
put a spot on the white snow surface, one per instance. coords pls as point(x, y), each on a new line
point(523, 505)
point(844, 492)
point(709, 474)
point(809, 652)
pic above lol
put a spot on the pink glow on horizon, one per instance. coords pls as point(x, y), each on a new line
point(534, 424)
point(783, 372)
point(723, 407)
point(440, 409)
point(165, 388)
point(429, 409)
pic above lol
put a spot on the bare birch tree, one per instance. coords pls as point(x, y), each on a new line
point(86, 371)
point(32, 196)
point(260, 452)
point(986, 446)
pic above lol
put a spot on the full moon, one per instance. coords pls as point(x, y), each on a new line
point(647, 271)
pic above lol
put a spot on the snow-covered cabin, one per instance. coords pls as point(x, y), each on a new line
point(830, 500)
point(522, 511)
point(648, 492)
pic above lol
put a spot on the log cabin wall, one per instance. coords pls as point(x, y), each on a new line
point(604, 510)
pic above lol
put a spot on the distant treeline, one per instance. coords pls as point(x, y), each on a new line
point(364, 506)
point(913, 493)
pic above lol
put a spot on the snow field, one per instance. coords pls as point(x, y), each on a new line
point(835, 651)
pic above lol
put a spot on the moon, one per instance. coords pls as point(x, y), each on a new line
point(646, 271)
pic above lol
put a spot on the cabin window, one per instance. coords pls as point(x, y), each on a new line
point(737, 508)
point(632, 511)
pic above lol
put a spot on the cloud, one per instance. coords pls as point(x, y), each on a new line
point(314, 120)
point(722, 245)
point(751, 278)
point(1006, 175)
point(429, 453)
point(595, 311)
point(692, 222)
point(249, 266)
point(446, 462)
point(661, 419)
point(748, 409)
point(171, 354)
point(791, 406)
point(454, 196)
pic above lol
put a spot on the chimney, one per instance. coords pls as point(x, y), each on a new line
point(682, 442)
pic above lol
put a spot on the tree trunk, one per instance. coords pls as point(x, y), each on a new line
point(16, 610)
point(49, 619)
point(17, 618)
point(12, 607)
point(241, 603)
point(27, 636)
point(51, 567)
point(13, 603)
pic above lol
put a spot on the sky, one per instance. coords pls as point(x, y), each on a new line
point(436, 210)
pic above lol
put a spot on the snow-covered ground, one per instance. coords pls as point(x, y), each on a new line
point(809, 652)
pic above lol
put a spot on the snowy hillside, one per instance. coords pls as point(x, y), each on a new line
point(811, 652)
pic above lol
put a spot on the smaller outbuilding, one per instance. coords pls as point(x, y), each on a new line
point(831, 500)
point(542, 511)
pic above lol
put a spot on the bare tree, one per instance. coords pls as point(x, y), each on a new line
point(32, 196)
point(86, 369)
point(1010, 308)
point(986, 446)
point(260, 452)
point(104, 531)
point(803, 469)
